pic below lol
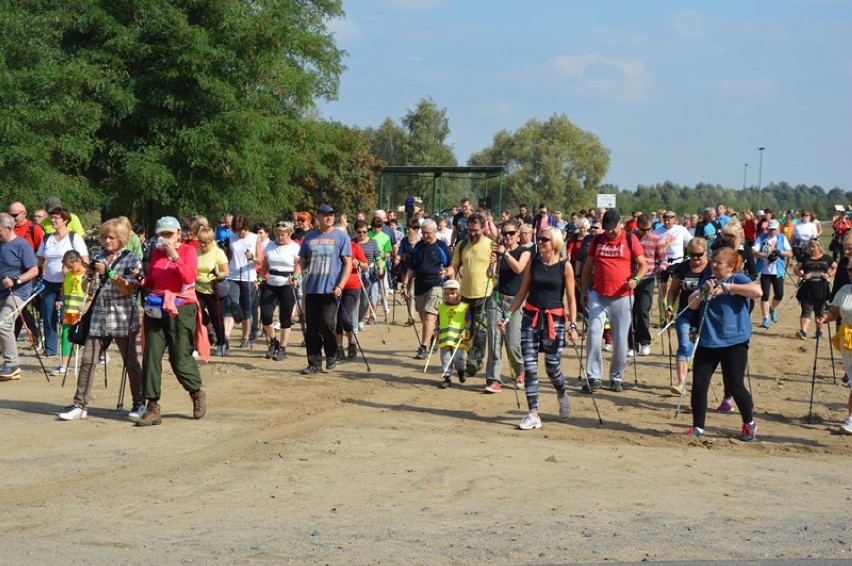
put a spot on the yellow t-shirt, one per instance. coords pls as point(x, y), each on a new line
point(207, 263)
point(474, 261)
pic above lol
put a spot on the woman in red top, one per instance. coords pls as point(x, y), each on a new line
point(749, 228)
point(173, 320)
point(347, 312)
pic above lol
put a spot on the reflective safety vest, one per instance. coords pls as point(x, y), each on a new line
point(452, 322)
point(73, 295)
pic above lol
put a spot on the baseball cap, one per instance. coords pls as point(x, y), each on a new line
point(167, 224)
point(773, 225)
point(611, 219)
point(325, 209)
point(52, 203)
point(452, 284)
point(760, 213)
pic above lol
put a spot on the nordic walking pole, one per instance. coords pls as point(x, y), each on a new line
point(431, 349)
point(35, 348)
point(674, 318)
point(633, 335)
point(813, 377)
point(831, 350)
point(299, 308)
point(453, 355)
point(74, 348)
point(692, 356)
point(354, 333)
point(12, 314)
point(588, 385)
point(372, 311)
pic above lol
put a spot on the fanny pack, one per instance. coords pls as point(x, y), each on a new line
point(154, 305)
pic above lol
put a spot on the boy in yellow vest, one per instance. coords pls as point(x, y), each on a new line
point(73, 297)
point(454, 321)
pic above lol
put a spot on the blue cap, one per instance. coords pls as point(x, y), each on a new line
point(325, 209)
point(167, 224)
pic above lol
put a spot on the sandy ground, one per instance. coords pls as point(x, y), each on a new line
point(383, 467)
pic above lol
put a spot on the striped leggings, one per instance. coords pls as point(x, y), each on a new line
point(533, 341)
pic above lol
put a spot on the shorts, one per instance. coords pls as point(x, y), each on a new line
point(669, 271)
point(428, 302)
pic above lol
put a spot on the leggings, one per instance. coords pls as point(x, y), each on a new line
point(775, 283)
point(535, 340)
point(281, 297)
point(734, 360)
point(348, 311)
point(210, 305)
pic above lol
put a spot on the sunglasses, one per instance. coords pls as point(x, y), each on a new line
point(16, 214)
point(595, 228)
point(540, 239)
point(512, 233)
point(696, 256)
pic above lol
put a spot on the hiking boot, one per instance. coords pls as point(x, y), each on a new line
point(694, 431)
point(422, 353)
point(616, 386)
point(199, 403)
point(280, 353)
point(564, 406)
point(749, 431)
point(846, 427)
point(519, 383)
point(493, 387)
point(802, 335)
point(445, 382)
point(9, 373)
point(726, 406)
point(592, 385)
point(76, 413)
point(352, 350)
point(152, 415)
point(765, 322)
point(773, 314)
point(137, 412)
point(311, 369)
point(530, 422)
point(273, 347)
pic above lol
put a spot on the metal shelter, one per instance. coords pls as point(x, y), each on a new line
point(438, 174)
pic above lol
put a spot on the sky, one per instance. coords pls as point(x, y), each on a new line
point(681, 91)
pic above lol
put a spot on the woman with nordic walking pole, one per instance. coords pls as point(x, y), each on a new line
point(113, 318)
point(548, 285)
point(277, 271)
point(723, 338)
point(212, 270)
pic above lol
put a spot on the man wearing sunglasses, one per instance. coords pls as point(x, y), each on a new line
point(675, 237)
point(612, 258)
point(655, 255)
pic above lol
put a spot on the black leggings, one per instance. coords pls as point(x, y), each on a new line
point(348, 308)
point(210, 304)
point(775, 283)
point(734, 360)
point(281, 297)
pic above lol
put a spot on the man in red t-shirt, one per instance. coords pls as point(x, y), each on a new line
point(618, 263)
point(32, 234)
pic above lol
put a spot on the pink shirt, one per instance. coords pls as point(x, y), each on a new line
point(167, 275)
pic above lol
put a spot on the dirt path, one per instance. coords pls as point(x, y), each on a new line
point(382, 467)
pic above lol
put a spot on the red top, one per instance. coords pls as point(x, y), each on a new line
point(23, 231)
point(749, 229)
point(195, 244)
point(167, 275)
point(354, 281)
point(614, 263)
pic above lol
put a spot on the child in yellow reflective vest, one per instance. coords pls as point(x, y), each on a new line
point(454, 322)
point(73, 297)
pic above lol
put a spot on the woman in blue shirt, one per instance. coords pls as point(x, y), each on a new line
point(724, 334)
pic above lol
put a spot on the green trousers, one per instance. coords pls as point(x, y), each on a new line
point(178, 334)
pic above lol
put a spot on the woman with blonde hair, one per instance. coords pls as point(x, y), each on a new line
point(815, 268)
point(212, 270)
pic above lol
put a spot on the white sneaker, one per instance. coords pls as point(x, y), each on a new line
point(103, 360)
point(645, 350)
point(276, 326)
point(846, 427)
point(137, 412)
point(607, 347)
point(564, 406)
point(631, 353)
point(530, 421)
point(75, 414)
point(59, 371)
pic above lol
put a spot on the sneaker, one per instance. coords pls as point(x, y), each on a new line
point(9, 373)
point(616, 386)
point(352, 351)
point(564, 406)
point(493, 387)
point(607, 348)
point(244, 343)
point(462, 376)
point(519, 383)
point(765, 323)
point(592, 385)
point(220, 351)
point(530, 422)
point(631, 353)
point(846, 427)
point(273, 346)
point(749, 432)
point(422, 354)
point(137, 412)
point(75, 414)
point(445, 382)
point(645, 350)
point(331, 363)
point(694, 431)
point(103, 360)
point(726, 406)
point(276, 326)
point(802, 335)
point(773, 314)
point(341, 354)
point(471, 369)
point(60, 370)
point(310, 370)
point(361, 326)
point(676, 389)
point(280, 354)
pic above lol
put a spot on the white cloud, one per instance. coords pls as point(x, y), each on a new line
point(600, 74)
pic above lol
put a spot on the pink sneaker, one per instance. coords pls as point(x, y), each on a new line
point(726, 406)
point(519, 383)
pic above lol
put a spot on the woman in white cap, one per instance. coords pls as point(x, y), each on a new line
point(771, 250)
point(173, 320)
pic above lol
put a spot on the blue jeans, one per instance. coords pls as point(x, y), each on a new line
point(684, 346)
point(50, 316)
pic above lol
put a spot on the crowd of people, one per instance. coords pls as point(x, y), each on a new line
point(526, 284)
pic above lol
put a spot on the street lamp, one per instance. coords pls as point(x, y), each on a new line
point(745, 176)
point(759, 173)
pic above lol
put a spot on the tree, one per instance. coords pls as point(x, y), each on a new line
point(553, 161)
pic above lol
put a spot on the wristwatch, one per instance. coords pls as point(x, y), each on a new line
point(17, 281)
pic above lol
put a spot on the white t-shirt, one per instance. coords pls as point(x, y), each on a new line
point(241, 269)
point(803, 233)
point(445, 235)
point(281, 259)
point(843, 300)
point(675, 239)
point(53, 251)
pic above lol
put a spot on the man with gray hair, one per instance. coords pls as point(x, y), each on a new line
point(429, 261)
point(18, 267)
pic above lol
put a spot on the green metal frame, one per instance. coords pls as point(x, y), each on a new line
point(438, 174)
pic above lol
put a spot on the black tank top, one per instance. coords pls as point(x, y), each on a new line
point(547, 287)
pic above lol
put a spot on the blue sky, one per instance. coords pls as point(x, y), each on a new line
point(679, 91)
